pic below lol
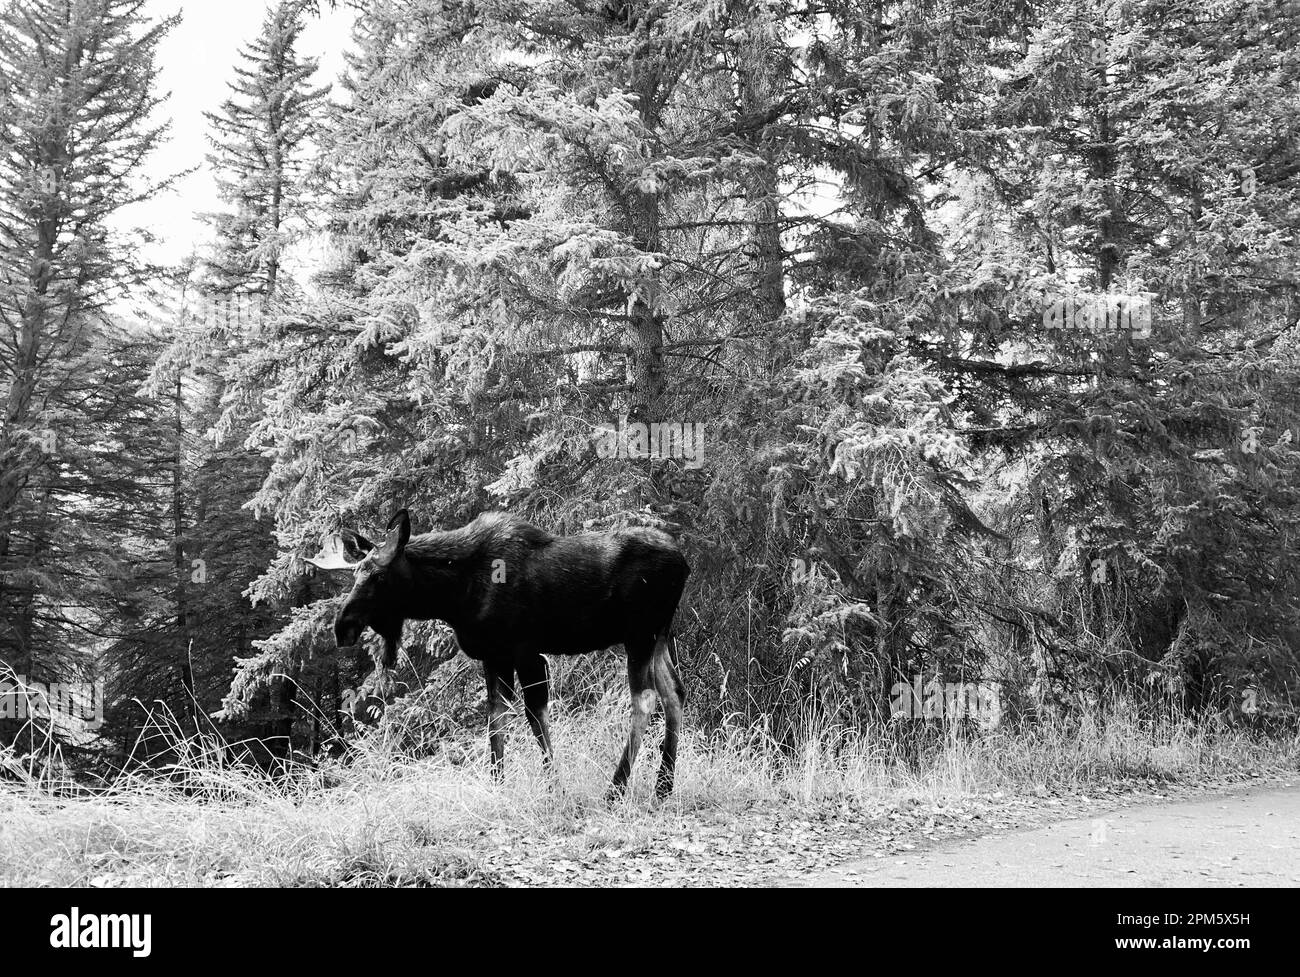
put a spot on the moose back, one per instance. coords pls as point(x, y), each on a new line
point(513, 592)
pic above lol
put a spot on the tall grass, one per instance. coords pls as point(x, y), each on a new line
point(392, 816)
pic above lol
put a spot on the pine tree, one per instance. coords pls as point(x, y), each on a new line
point(77, 93)
point(535, 249)
point(1121, 155)
point(259, 139)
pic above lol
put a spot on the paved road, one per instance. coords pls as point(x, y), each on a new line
point(1247, 839)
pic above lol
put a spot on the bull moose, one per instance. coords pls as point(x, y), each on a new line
point(513, 592)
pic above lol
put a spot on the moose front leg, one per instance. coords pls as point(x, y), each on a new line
point(390, 649)
point(500, 692)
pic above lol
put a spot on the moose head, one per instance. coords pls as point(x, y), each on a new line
point(384, 585)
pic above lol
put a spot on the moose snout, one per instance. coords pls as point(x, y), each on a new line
point(346, 631)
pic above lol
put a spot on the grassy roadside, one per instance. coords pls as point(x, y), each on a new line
point(389, 819)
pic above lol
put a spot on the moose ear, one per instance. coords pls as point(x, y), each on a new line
point(399, 528)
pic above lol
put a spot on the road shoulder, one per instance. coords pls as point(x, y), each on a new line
point(1237, 835)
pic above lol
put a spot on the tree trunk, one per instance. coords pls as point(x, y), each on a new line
point(759, 82)
point(185, 665)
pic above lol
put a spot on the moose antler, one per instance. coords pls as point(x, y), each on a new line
point(332, 555)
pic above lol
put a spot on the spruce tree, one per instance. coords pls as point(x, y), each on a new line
point(259, 139)
point(262, 136)
point(77, 101)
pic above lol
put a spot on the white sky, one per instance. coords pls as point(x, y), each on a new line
point(196, 61)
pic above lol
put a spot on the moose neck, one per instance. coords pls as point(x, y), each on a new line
point(440, 569)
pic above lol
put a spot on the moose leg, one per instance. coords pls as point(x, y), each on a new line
point(671, 693)
point(641, 683)
point(500, 691)
point(535, 682)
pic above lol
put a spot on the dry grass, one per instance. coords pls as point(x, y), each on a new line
point(386, 818)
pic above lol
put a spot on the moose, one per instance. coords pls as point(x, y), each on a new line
point(512, 592)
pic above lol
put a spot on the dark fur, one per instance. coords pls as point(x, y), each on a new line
point(513, 592)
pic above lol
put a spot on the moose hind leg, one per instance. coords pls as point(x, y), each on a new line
point(671, 694)
point(534, 680)
point(500, 692)
point(640, 682)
